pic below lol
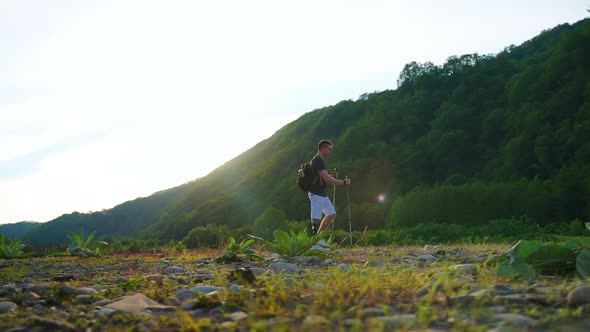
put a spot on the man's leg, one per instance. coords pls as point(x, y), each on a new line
point(315, 226)
point(330, 213)
point(316, 212)
point(326, 222)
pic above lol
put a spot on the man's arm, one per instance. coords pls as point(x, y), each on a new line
point(330, 180)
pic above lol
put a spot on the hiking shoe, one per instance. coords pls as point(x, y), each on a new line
point(320, 248)
point(323, 243)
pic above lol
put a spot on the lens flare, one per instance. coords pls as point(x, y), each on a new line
point(381, 198)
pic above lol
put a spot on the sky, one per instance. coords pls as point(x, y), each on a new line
point(106, 101)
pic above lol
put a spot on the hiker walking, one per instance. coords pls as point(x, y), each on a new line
point(320, 203)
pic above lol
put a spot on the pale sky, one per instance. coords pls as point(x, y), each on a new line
point(105, 101)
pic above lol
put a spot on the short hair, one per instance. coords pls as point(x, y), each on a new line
point(324, 143)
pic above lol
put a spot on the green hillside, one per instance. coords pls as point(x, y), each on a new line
point(478, 138)
point(18, 229)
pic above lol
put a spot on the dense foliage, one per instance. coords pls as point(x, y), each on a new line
point(479, 138)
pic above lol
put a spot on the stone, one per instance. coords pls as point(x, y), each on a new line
point(64, 277)
point(516, 320)
point(307, 297)
point(138, 303)
point(465, 268)
point(257, 271)
point(372, 312)
point(426, 258)
point(42, 290)
point(238, 316)
point(234, 288)
point(286, 267)
point(579, 296)
point(315, 320)
point(431, 249)
point(51, 325)
point(517, 299)
point(69, 290)
point(29, 299)
point(101, 303)
point(373, 263)
point(394, 321)
point(156, 277)
point(242, 275)
point(173, 301)
point(83, 299)
point(8, 290)
point(184, 294)
point(503, 289)
point(205, 289)
point(343, 267)
point(173, 270)
point(104, 312)
point(116, 280)
point(462, 300)
point(7, 306)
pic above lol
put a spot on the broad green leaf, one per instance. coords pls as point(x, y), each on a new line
point(582, 240)
point(583, 263)
point(518, 270)
point(89, 239)
point(552, 258)
point(522, 249)
point(282, 239)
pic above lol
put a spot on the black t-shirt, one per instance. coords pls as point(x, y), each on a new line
point(318, 187)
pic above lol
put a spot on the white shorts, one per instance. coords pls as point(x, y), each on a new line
point(320, 204)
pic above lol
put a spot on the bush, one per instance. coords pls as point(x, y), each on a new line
point(10, 249)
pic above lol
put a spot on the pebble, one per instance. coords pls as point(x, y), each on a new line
point(343, 267)
point(7, 306)
point(104, 312)
point(29, 299)
point(8, 290)
point(394, 321)
point(234, 288)
point(280, 266)
point(579, 296)
point(465, 268)
point(516, 320)
point(257, 271)
point(315, 320)
point(173, 270)
point(51, 324)
point(238, 316)
point(156, 277)
point(83, 299)
point(372, 312)
point(307, 297)
point(518, 299)
point(502, 289)
point(69, 290)
point(426, 258)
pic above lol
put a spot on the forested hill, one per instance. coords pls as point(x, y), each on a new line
point(478, 138)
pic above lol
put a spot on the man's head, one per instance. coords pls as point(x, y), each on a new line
point(325, 148)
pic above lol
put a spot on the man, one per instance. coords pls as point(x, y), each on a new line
point(317, 194)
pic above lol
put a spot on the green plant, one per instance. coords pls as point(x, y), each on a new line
point(235, 251)
point(563, 254)
point(292, 244)
point(84, 247)
point(10, 249)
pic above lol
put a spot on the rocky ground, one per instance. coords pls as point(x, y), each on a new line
point(365, 289)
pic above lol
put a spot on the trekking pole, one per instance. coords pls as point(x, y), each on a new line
point(349, 215)
point(334, 202)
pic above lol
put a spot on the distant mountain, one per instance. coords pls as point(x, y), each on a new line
point(478, 138)
point(16, 231)
point(125, 220)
